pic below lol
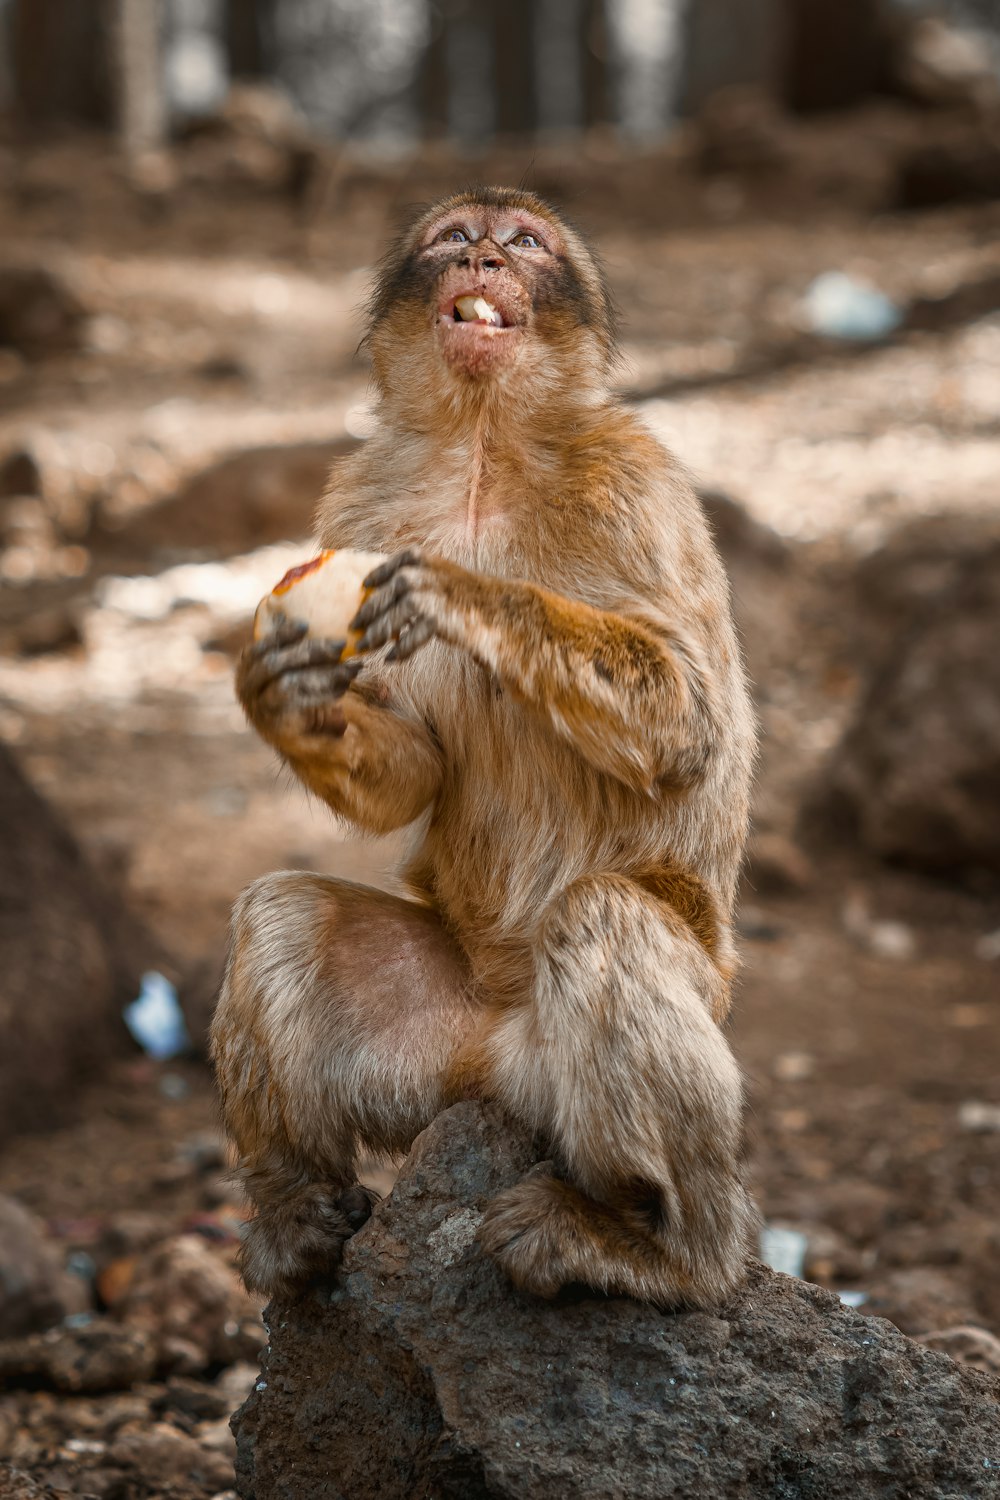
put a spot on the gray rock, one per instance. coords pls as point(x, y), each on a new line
point(35, 1290)
point(40, 313)
point(15, 1484)
point(69, 959)
point(421, 1373)
point(98, 1355)
point(919, 770)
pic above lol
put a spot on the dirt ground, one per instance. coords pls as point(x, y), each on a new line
point(223, 317)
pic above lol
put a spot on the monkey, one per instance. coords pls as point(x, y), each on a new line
point(549, 695)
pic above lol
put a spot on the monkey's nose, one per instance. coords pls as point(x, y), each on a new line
point(492, 262)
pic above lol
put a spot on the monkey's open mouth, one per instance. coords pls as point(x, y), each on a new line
point(477, 310)
point(478, 333)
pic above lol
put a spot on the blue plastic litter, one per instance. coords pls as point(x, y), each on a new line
point(156, 1020)
point(838, 307)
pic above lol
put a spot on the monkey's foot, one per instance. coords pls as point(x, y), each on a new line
point(527, 1231)
point(544, 1233)
point(295, 1238)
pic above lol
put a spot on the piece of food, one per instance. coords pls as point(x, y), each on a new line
point(324, 594)
point(477, 310)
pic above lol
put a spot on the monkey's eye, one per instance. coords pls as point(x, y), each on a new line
point(458, 235)
point(526, 241)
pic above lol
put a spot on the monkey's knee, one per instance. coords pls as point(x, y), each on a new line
point(271, 1034)
point(620, 1062)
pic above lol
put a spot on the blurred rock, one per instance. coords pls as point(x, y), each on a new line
point(919, 1298)
point(894, 941)
point(67, 951)
point(43, 631)
point(20, 474)
point(966, 302)
point(776, 866)
point(130, 1232)
point(740, 131)
point(857, 1209)
point(217, 1437)
point(830, 1257)
point(940, 64)
point(15, 1484)
point(962, 169)
point(96, 1355)
point(178, 1461)
point(35, 1290)
point(192, 1305)
point(967, 1345)
point(235, 1384)
point(422, 1372)
point(196, 1398)
point(39, 313)
point(918, 772)
point(759, 564)
point(975, 1115)
point(256, 140)
point(245, 501)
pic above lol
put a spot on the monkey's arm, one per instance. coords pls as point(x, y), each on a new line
point(368, 763)
point(629, 695)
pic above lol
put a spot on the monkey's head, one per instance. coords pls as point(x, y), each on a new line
point(490, 289)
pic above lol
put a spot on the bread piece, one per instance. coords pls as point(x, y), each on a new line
point(324, 594)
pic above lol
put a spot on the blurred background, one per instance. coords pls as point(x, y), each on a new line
point(798, 202)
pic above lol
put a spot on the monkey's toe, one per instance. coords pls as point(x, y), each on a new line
point(356, 1204)
point(525, 1229)
point(297, 1239)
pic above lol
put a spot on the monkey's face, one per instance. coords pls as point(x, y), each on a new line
point(488, 284)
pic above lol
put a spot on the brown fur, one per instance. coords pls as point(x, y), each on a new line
point(553, 696)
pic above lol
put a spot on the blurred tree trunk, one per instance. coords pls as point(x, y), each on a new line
point(58, 62)
point(135, 36)
point(732, 42)
point(251, 38)
point(514, 60)
point(835, 52)
point(432, 80)
point(594, 62)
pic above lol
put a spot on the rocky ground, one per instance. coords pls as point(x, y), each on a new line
point(165, 422)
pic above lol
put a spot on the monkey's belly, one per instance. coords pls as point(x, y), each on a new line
point(323, 594)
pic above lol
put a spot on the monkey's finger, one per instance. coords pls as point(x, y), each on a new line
point(418, 634)
point(408, 558)
point(389, 625)
point(285, 634)
point(309, 720)
point(382, 599)
point(257, 672)
point(313, 685)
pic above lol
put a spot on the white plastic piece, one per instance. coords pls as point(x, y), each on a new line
point(839, 307)
point(156, 1020)
point(783, 1250)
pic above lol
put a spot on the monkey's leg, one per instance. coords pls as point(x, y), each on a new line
point(339, 1012)
point(619, 1061)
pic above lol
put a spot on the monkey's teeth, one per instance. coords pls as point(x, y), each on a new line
point(477, 310)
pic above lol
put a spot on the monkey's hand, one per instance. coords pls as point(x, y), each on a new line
point(370, 764)
point(291, 688)
point(634, 696)
point(413, 599)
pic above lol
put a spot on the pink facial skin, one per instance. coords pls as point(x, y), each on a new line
point(496, 255)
